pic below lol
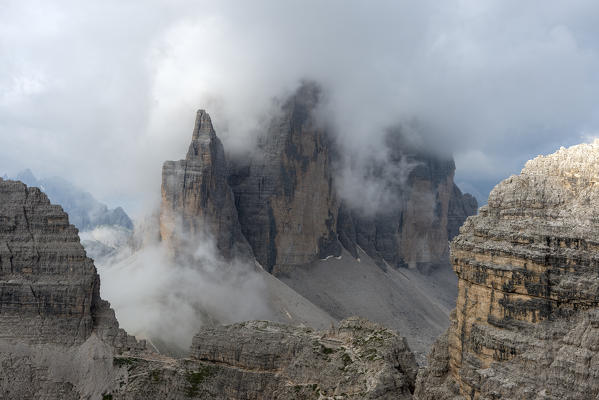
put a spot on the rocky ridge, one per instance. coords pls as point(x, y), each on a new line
point(525, 324)
point(266, 360)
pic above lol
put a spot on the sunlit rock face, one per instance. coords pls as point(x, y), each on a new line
point(197, 203)
point(526, 320)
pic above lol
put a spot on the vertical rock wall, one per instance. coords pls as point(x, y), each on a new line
point(525, 324)
point(57, 336)
point(48, 287)
point(285, 198)
point(286, 210)
point(197, 203)
point(414, 231)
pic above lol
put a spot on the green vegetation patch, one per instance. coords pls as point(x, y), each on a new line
point(155, 375)
point(196, 378)
point(123, 361)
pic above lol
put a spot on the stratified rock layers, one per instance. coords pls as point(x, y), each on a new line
point(197, 202)
point(47, 284)
point(52, 319)
point(525, 324)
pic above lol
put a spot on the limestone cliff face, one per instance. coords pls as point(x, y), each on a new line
point(49, 289)
point(284, 195)
point(525, 324)
point(197, 203)
point(50, 308)
point(39, 246)
point(414, 231)
point(286, 204)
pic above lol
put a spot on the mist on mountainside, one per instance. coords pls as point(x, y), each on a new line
point(167, 301)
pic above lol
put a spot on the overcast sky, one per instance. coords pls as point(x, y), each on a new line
point(102, 92)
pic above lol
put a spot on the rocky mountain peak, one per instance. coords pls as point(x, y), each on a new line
point(284, 192)
point(203, 135)
point(197, 202)
point(286, 201)
point(579, 163)
point(305, 99)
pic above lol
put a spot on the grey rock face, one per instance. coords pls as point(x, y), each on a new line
point(286, 202)
point(284, 195)
point(265, 360)
point(85, 212)
point(525, 324)
point(197, 202)
point(53, 324)
point(47, 284)
point(414, 231)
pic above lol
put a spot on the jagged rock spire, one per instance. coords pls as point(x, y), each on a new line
point(197, 202)
point(203, 134)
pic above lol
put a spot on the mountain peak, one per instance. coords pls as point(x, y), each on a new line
point(203, 134)
point(203, 125)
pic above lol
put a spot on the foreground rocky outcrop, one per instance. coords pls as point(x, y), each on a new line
point(59, 339)
point(526, 321)
point(265, 360)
